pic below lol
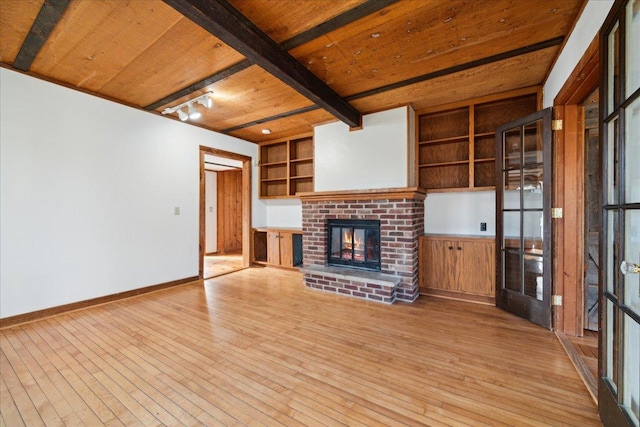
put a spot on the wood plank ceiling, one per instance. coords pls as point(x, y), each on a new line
point(285, 65)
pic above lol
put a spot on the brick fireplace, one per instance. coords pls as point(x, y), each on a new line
point(401, 215)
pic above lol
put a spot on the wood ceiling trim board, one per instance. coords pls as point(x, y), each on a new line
point(461, 67)
point(221, 75)
point(419, 79)
point(49, 15)
point(358, 12)
point(272, 118)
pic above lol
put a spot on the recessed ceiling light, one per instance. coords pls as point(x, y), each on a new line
point(266, 131)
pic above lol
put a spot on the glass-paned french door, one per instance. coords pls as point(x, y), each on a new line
point(523, 222)
point(619, 371)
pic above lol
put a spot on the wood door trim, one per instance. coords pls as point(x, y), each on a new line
point(568, 274)
point(246, 205)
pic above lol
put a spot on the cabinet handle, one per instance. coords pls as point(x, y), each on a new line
point(450, 247)
point(459, 248)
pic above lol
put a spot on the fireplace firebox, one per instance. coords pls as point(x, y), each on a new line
point(354, 243)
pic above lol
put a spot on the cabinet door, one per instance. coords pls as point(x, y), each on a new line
point(286, 249)
point(476, 267)
point(439, 271)
point(273, 248)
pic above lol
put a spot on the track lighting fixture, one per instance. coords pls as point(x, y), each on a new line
point(192, 112)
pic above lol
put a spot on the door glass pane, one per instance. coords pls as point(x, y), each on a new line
point(532, 223)
point(612, 161)
point(612, 266)
point(612, 70)
point(532, 194)
point(632, 40)
point(512, 271)
point(511, 148)
point(511, 230)
point(511, 198)
point(632, 152)
point(631, 370)
point(533, 143)
point(610, 371)
point(533, 276)
point(512, 179)
point(632, 254)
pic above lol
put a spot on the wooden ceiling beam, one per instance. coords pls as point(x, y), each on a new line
point(49, 15)
point(346, 18)
point(418, 79)
point(226, 23)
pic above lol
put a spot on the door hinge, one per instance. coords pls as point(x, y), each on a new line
point(556, 124)
point(556, 299)
point(556, 212)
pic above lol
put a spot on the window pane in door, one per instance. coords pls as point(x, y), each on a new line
point(612, 161)
point(632, 254)
point(532, 229)
point(511, 230)
point(511, 145)
point(631, 369)
point(632, 152)
point(512, 271)
point(511, 198)
point(610, 363)
point(533, 276)
point(532, 194)
point(612, 266)
point(533, 143)
point(632, 41)
point(613, 70)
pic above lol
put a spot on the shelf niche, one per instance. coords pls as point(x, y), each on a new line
point(457, 142)
point(286, 167)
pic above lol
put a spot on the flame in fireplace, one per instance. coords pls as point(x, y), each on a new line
point(348, 241)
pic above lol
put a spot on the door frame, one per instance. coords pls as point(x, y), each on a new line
point(568, 192)
point(246, 205)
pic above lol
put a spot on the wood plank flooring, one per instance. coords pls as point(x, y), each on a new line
point(217, 265)
point(256, 347)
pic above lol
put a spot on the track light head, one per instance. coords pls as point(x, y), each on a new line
point(194, 114)
point(206, 101)
point(183, 116)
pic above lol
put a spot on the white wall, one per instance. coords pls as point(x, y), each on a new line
point(592, 18)
point(460, 212)
point(88, 190)
point(373, 157)
point(211, 212)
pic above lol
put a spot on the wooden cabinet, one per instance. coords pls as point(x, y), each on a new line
point(461, 267)
point(456, 142)
point(286, 167)
point(277, 247)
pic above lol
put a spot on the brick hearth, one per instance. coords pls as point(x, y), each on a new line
point(401, 215)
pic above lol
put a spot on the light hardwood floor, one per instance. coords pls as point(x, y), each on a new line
point(257, 348)
point(217, 265)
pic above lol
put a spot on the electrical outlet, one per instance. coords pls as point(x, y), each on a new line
point(176, 210)
point(483, 226)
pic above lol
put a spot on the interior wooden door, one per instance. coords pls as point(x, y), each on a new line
point(230, 211)
point(523, 222)
point(619, 370)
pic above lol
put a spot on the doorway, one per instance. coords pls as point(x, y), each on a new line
point(225, 215)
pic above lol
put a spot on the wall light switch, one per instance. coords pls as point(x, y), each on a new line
point(210, 208)
point(483, 226)
point(176, 210)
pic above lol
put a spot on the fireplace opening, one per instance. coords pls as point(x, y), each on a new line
point(354, 243)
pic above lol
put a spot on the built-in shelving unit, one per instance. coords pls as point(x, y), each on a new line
point(456, 142)
point(286, 167)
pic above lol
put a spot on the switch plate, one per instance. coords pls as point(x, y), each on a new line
point(483, 226)
point(176, 210)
